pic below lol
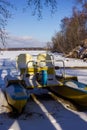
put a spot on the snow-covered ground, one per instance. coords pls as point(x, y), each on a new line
point(43, 113)
point(69, 62)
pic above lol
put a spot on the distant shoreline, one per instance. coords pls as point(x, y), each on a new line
point(74, 67)
point(23, 49)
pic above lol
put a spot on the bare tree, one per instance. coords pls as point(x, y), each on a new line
point(4, 15)
point(38, 5)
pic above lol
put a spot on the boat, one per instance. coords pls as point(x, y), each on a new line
point(16, 95)
point(41, 73)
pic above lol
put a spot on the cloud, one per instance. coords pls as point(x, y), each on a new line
point(23, 41)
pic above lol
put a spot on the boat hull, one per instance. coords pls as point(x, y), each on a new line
point(78, 96)
point(18, 105)
point(16, 97)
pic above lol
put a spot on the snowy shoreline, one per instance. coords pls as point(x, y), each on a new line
point(42, 113)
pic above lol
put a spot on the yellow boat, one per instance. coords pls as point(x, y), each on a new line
point(72, 90)
point(16, 94)
point(42, 74)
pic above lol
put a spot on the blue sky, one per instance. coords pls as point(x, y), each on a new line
point(25, 28)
